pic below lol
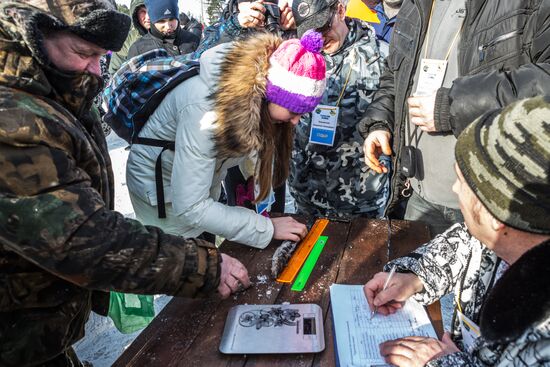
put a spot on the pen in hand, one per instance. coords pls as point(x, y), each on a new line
point(386, 283)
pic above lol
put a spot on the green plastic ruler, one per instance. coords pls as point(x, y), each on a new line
point(304, 274)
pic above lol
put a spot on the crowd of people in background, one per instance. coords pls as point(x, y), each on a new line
point(439, 112)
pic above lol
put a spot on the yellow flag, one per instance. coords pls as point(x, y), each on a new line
point(358, 9)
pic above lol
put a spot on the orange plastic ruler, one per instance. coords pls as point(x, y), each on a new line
point(303, 250)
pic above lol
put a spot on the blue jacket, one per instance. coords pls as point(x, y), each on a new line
point(383, 29)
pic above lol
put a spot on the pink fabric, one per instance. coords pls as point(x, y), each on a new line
point(292, 56)
point(246, 196)
point(300, 58)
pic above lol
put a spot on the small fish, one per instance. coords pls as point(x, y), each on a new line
point(281, 256)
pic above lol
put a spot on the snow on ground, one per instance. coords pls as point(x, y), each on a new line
point(103, 343)
point(119, 156)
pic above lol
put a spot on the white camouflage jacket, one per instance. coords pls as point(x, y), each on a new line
point(513, 311)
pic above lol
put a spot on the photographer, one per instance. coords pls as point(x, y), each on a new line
point(262, 14)
point(241, 18)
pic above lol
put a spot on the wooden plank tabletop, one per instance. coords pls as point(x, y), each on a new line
point(188, 332)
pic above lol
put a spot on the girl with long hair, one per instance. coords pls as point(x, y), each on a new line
point(241, 108)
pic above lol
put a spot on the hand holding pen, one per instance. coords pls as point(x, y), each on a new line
point(388, 279)
point(387, 292)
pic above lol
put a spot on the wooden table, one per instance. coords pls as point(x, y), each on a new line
point(188, 332)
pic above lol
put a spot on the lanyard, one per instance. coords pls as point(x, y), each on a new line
point(347, 77)
point(427, 39)
point(489, 288)
point(414, 134)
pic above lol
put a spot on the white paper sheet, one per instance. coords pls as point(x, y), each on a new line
point(357, 337)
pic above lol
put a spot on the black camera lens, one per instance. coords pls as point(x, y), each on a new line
point(272, 16)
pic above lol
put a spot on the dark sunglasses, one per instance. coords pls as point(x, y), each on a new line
point(324, 29)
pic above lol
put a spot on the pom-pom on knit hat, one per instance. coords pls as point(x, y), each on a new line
point(296, 75)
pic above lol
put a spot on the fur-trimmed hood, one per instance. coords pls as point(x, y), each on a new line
point(238, 92)
point(520, 299)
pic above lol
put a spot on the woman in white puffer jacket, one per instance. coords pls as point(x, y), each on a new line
point(244, 103)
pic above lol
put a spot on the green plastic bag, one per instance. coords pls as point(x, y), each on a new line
point(131, 312)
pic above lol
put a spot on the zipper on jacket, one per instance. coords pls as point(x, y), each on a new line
point(493, 42)
point(396, 130)
point(458, 296)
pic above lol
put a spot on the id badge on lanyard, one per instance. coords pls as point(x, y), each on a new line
point(323, 125)
point(264, 206)
point(470, 331)
point(430, 78)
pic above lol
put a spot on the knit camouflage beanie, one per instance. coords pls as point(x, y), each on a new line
point(505, 158)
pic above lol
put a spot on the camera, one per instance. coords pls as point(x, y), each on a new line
point(408, 161)
point(272, 16)
point(412, 162)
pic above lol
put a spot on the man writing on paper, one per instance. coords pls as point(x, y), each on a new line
point(497, 261)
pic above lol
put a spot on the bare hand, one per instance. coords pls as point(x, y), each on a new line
point(376, 144)
point(234, 276)
point(401, 287)
point(288, 228)
point(287, 18)
point(416, 350)
point(251, 14)
point(421, 112)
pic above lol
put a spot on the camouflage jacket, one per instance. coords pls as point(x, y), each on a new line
point(59, 237)
point(334, 180)
point(510, 305)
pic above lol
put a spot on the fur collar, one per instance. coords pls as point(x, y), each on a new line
point(520, 299)
point(240, 93)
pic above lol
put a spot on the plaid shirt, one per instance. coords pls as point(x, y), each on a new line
point(137, 88)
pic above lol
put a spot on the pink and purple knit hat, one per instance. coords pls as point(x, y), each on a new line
point(296, 76)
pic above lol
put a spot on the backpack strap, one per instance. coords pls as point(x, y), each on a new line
point(159, 182)
point(134, 95)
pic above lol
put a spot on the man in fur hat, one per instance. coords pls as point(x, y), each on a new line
point(497, 261)
point(60, 241)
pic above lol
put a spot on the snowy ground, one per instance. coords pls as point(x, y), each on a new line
point(103, 342)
